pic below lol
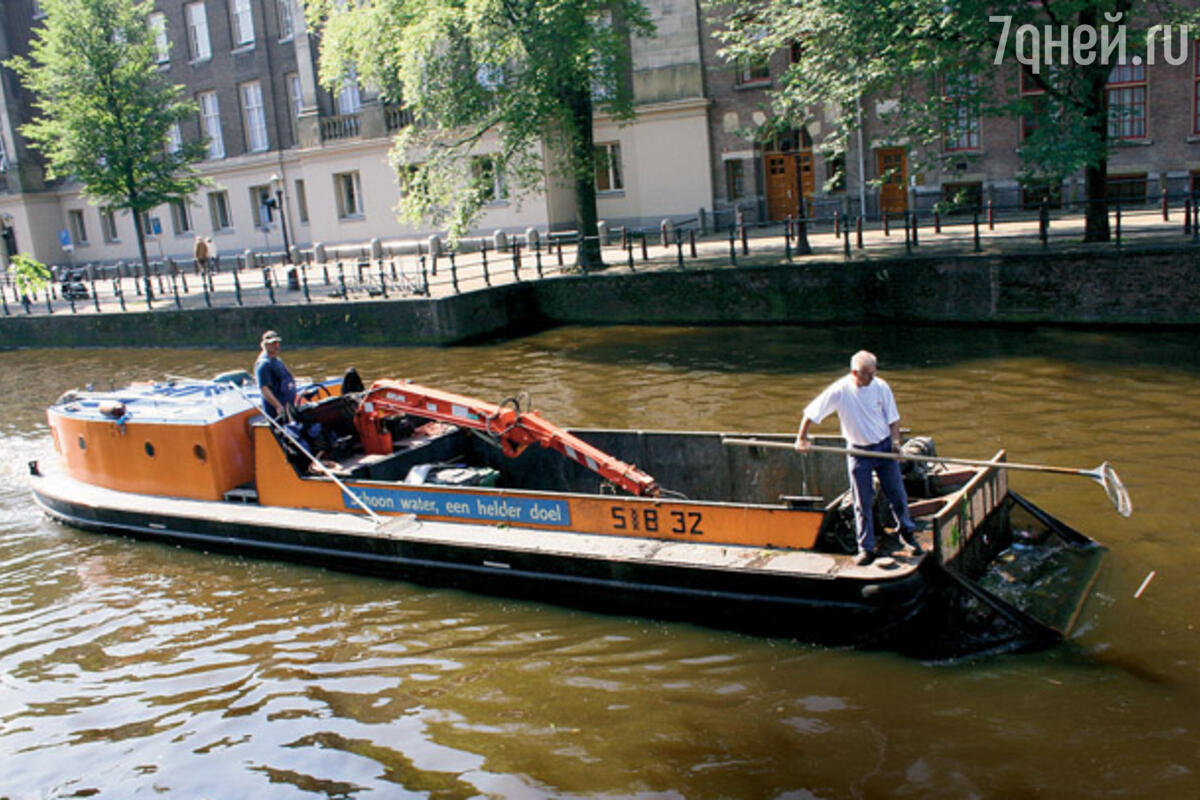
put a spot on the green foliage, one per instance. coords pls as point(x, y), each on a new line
point(934, 60)
point(104, 109)
point(515, 79)
point(28, 274)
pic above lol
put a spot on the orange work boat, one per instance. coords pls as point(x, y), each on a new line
point(421, 484)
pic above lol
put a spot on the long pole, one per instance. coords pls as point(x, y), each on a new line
point(287, 247)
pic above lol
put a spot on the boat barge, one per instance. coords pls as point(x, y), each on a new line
point(419, 484)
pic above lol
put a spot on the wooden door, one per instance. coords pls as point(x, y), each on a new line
point(782, 188)
point(789, 177)
point(893, 193)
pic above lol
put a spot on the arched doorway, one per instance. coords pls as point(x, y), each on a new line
point(788, 173)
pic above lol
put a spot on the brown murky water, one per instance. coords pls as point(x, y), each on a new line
point(130, 669)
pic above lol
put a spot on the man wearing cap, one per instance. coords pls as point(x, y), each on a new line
point(867, 412)
point(276, 382)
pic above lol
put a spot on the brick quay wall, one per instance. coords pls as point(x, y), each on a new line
point(1139, 287)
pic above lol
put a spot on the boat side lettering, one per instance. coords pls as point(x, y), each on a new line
point(652, 520)
point(517, 510)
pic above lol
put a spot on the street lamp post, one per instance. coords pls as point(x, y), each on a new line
point(277, 187)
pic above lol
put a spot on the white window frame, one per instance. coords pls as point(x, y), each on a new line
point(157, 22)
point(349, 99)
point(78, 226)
point(295, 93)
point(181, 218)
point(609, 153)
point(3, 156)
point(497, 192)
point(241, 19)
point(287, 20)
point(218, 209)
point(302, 201)
point(108, 226)
point(174, 138)
point(348, 186)
point(210, 123)
point(199, 45)
point(254, 117)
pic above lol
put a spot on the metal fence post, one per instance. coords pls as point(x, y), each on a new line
point(907, 235)
point(175, 291)
point(915, 240)
point(237, 286)
point(858, 230)
point(382, 279)
point(454, 271)
point(304, 281)
point(516, 260)
point(679, 248)
point(732, 245)
point(975, 224)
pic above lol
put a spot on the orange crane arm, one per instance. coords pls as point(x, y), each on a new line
point(514, 429)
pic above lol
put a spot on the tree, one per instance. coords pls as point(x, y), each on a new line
point(530, 73)
point(104, 110)
point(28, 274)
point(947, 62)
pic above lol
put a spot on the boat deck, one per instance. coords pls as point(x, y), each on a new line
point(738, 558)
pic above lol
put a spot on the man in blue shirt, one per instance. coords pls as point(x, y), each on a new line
point(276, 382)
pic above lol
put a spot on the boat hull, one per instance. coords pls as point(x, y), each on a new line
point(806, 595)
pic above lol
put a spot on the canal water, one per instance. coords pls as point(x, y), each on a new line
point(131, 669)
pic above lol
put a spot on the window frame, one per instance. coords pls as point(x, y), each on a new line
point(254, 117)
point(219, 211)
point(78, 226)
point(350, 204)
point(301, 201)
point(1127, 87)
point(286, 20)
point(108, 226)
point(210, 124)
point(181, 218)
point(157, 22)
point(735, 179)
point(484, 166)
point(241, 24)
point(964, 132)
point(199, 39)
point(614, 175)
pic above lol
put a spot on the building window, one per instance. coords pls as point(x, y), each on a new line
point(210, 123)
point(1127, 189)
point(753, 72)
point(490, 179)
point(260, 196)
point(158, 29)
point(962, 132)
point(3, 156)
point(349, 101)
point(1127, 101)
point(243, 23)
point(78, 229)
point(254, 118)
point(287, 24)
point(302, 201)
point(608, 168)
point(174, 138)
point(108, 226)
point(38, 11)
point(199, 48)
point(735, 179)
point(349, 195)
point(181, 218)
point(218, 208)
point(295, 94)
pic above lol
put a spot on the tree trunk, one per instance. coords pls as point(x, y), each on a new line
point(141, 240)
point(583, 167)
point(1095, 174)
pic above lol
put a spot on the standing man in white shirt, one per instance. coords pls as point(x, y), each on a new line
point(867, 412)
